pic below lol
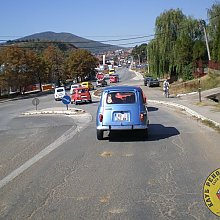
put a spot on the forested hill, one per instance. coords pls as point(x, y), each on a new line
point(79, 42)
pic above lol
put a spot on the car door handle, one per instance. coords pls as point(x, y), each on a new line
point(108, 108)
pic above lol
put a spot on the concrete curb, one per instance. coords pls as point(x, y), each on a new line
point(50, 111)
point(188, 110)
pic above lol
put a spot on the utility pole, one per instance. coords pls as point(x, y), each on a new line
point(148, 65)
point(203, 24)
point(139, 59)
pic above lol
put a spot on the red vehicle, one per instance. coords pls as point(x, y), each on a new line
point(114, 78)
point(81, 95)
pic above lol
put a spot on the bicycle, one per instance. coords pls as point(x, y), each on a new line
point(166, 93)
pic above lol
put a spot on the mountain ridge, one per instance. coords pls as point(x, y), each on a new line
point(79, 42)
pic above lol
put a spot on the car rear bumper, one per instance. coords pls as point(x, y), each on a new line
point(121, 127)
point(82, 100)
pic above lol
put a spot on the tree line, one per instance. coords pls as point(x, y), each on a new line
point(22, 66)
point(179, 43)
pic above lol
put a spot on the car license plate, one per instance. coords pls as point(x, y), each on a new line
point(118, 116)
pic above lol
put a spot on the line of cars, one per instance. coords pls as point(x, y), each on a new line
point(79, 92)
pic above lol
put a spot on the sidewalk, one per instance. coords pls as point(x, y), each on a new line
point(205, 110)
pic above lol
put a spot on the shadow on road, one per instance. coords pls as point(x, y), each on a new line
point(159, 131)
point(156, 132)
point(127, 136)
point(152, 109)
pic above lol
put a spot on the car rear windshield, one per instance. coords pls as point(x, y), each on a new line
point(60, 90)
point(120, 98)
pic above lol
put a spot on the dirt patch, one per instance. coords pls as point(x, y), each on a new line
point(104, 199)
point(117, 211)
point(106, 154)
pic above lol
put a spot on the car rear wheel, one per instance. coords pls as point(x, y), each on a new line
point(99, 134)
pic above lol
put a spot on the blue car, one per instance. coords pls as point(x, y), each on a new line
point(122, 108)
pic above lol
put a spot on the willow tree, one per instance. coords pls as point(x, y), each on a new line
point(188, 35)
point(171, 51)
point(166, 31)
point(153, 58)
point(214, 30)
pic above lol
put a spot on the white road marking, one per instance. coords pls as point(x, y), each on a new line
point(66, 136)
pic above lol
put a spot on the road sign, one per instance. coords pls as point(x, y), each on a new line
point(35, 102)
point(66, 100)
point(100, 76)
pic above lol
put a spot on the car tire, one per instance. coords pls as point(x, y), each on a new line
point(99, 134)
point(76, 103)
point(90, 101)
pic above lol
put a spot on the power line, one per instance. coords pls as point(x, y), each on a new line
point(92, 41)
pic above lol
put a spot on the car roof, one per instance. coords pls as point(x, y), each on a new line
point(80, 88)
point(122, 88)
point(60, 88)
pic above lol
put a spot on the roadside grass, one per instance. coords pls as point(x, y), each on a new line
point(211, 80)
point(211, 125)
point(217, 108)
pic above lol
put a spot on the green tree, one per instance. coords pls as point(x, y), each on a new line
point(167, 32)
point(140, 52)
point(214, 30)
point(199, 51)
point(172, 48)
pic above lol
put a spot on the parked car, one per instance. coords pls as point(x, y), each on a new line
point(114, 78)
point(59, 92)
point(122, 108)
point(80, 95)
point(152, 82)
point(101, 83)
point(87, 85)
point(74, 86)
point(146, 79)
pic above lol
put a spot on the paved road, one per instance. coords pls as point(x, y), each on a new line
point(117, 178)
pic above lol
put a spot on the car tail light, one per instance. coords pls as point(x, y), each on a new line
point(142, 117)
point(100, 117)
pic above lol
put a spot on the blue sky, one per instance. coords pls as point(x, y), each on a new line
point(92, 19)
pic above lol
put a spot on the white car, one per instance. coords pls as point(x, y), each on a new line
point(74, 86)
point(59, 92)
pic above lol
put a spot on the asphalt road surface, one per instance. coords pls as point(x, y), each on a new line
point(53, 167)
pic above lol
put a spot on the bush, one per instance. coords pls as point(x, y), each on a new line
point(187, 72)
